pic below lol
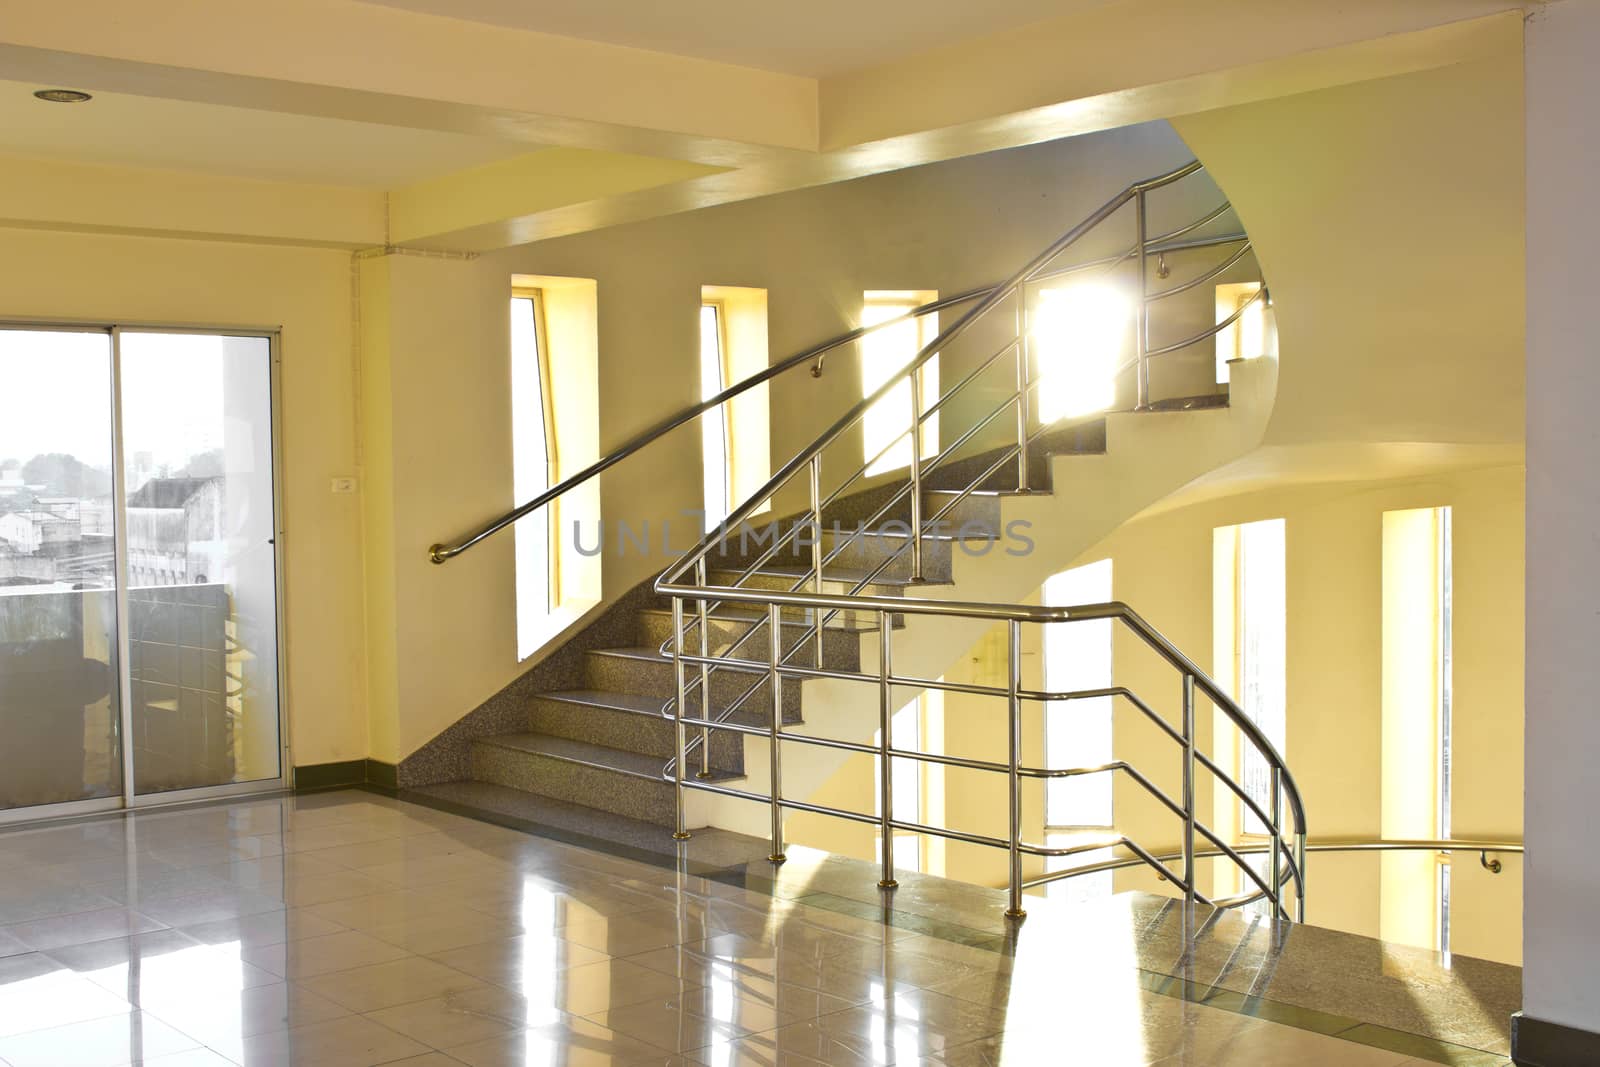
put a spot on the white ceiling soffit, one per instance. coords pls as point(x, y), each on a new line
point(140, 131)
point(814, 39)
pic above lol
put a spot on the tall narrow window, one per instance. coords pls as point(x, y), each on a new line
point(1246, 336)
point(533, 464)
point(1077, 733)
point(1258, 648)
point(1081, 334)
point(1416, 786)
point(912, 726)
point(715, 433)
point(884, 354)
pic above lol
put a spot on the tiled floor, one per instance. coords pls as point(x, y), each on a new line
point(353, 929)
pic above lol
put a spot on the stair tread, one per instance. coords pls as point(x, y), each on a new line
point(832, 574)
point(756, 615)
point(639, 703)
point(635, 764)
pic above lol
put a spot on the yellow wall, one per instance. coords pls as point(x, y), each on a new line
point(308, 292)
point(1162, 565)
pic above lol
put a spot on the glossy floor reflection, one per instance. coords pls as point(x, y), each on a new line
point(353, 929)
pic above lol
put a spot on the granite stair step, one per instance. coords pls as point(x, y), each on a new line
point(631, 722)
point(643, 670)
point(623, 783)
point(841, 645)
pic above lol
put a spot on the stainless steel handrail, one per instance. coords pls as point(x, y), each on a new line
point(1485, 848)
point(442, 552)
point(688, 580)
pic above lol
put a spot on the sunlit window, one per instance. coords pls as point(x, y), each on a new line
point(533, 463)
point(1245, 337)
point(917, 727)
point(1077, 733)
point(716, 454)
point(1081, 333)
point(884, 354)
point(1416, 763)
point(1253, 576)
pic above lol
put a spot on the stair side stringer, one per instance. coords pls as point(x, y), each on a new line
point(1148, 457)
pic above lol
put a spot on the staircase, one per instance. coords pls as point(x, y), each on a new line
point(680, 729)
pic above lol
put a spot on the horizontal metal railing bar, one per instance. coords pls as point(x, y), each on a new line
point(1208, 333)
point(1192, 283)
point(1022, 613)
point(1238, 790)
point(1161, 245)
point(441, 553)
point(1357, 845)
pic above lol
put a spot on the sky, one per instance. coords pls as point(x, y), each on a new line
point(55, 394)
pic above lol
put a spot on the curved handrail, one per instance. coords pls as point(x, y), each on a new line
point(1483, 847)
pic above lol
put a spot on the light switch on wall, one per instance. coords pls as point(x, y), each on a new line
point(344, 485)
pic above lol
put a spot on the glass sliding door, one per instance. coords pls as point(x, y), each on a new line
point(202, 590)
point(60, 701)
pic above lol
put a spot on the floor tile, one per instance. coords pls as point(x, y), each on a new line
point(383, 985)
point(351, 1041)
point(457, 1018)
point(518, 961)
point(135, 1038)
point(225, 1016)
point(264, 928)
point(37, 993)
point(569, 1042)
point(82, 927)
point(313, 956)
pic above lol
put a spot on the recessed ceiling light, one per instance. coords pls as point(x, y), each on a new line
point(63, 96)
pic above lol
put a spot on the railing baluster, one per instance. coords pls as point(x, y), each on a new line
point(816, 547)
point(1023, 399)
point(1300, 879)
point(775, 686)
point(916, 475)
point(1014, 737)
point(886, 768)
point(1276, 866)
point(679, 832)
point(1141, 322)
point(1189, 880)
point(705, 676)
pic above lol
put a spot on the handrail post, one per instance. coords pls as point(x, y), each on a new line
point(705, 674)
point(1300, 881)
point(1014, 910)
point(1023, 400)
point(1277, 845)
point(1141, 322)
point(816, 547)
point(1188, 789)
point(678, 833)
point(775, 687)
point(916, 474)
point(885, 766)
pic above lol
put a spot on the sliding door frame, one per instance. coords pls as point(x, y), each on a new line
point(130, 799)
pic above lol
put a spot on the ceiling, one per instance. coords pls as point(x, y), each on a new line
point(142, 131)
point(814, 39)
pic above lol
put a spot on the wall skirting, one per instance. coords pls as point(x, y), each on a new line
point(1536, 1043)
point(348, 773)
